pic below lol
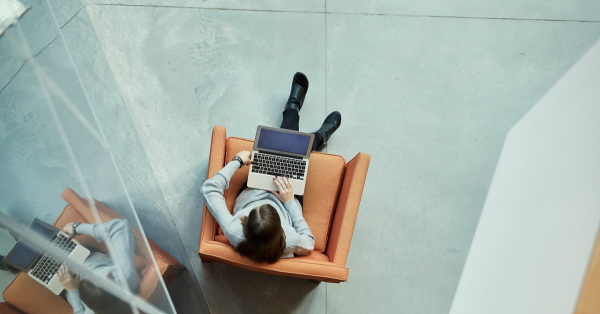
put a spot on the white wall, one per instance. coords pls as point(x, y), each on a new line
point(540, 220)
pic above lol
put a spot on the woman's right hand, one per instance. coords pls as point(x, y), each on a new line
point(286, 190)
point(245, 155)
point(65, 278)
point(68, 229)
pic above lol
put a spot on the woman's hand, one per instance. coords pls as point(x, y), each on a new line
point(65, 278)
point(245, 155)
point(286, 190)
point(68, 229)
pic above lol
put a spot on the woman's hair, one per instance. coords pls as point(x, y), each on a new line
point(100, 301)
point(265, 240)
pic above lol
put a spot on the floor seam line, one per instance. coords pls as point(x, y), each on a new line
point(350, 13)
point(72, 17)
point(25, 62)
point(37, 54)
point(201, 8)
point(466, 17)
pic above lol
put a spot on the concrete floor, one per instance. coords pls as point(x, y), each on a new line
point(428, 88)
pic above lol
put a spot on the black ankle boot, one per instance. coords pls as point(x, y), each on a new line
point(330, 125)
point(299, 88)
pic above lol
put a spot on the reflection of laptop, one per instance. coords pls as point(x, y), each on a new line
point(41, 265)
point(280, 152)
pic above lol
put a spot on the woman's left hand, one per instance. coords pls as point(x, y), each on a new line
point(65, 278)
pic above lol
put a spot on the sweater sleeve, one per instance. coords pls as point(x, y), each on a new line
point(213, 190)
point(121, 238)
point(75, 301)
point(303, 241)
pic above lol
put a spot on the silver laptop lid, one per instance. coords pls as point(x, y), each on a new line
point(283, 141)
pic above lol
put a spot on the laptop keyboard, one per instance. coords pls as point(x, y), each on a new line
point(279, 166)
point(48, 265)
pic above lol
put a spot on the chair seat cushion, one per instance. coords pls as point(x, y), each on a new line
point(323, 183)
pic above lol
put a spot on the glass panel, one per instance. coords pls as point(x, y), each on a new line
point(70, 154)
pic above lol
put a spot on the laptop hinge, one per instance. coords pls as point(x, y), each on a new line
point(282, 155)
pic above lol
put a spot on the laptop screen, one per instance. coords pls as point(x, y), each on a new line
point(22, 254)
point(283, 141)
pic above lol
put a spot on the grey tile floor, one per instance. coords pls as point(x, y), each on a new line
point(428, 88)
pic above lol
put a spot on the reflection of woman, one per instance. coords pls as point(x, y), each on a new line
point(83, 295)
point(268, 225)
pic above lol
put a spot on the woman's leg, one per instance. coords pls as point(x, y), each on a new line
point(291, 120)
point(330, 125)
point(94, 250)
point(63, 295)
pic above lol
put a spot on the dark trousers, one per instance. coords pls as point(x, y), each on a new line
point(291, 121)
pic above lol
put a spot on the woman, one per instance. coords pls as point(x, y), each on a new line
point(83, 295)
point(268, 225)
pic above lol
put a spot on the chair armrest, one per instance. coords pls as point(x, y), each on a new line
point(215, 163)
point(346, 211)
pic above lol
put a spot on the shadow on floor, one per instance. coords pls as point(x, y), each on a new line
point(186, 294)
point(253, 292)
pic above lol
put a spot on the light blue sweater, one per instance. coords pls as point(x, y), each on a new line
point(298, 238)
point(121, 236)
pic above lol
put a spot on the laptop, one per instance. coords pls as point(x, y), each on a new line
point(41, 265)
point(280, 152)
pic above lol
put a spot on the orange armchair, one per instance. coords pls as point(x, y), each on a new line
point(28, 296)
point(331, 200)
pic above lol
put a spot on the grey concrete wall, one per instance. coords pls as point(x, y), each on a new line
point(539, 225)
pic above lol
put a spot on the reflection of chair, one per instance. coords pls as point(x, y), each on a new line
point(332, 196)
point(30, 297)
